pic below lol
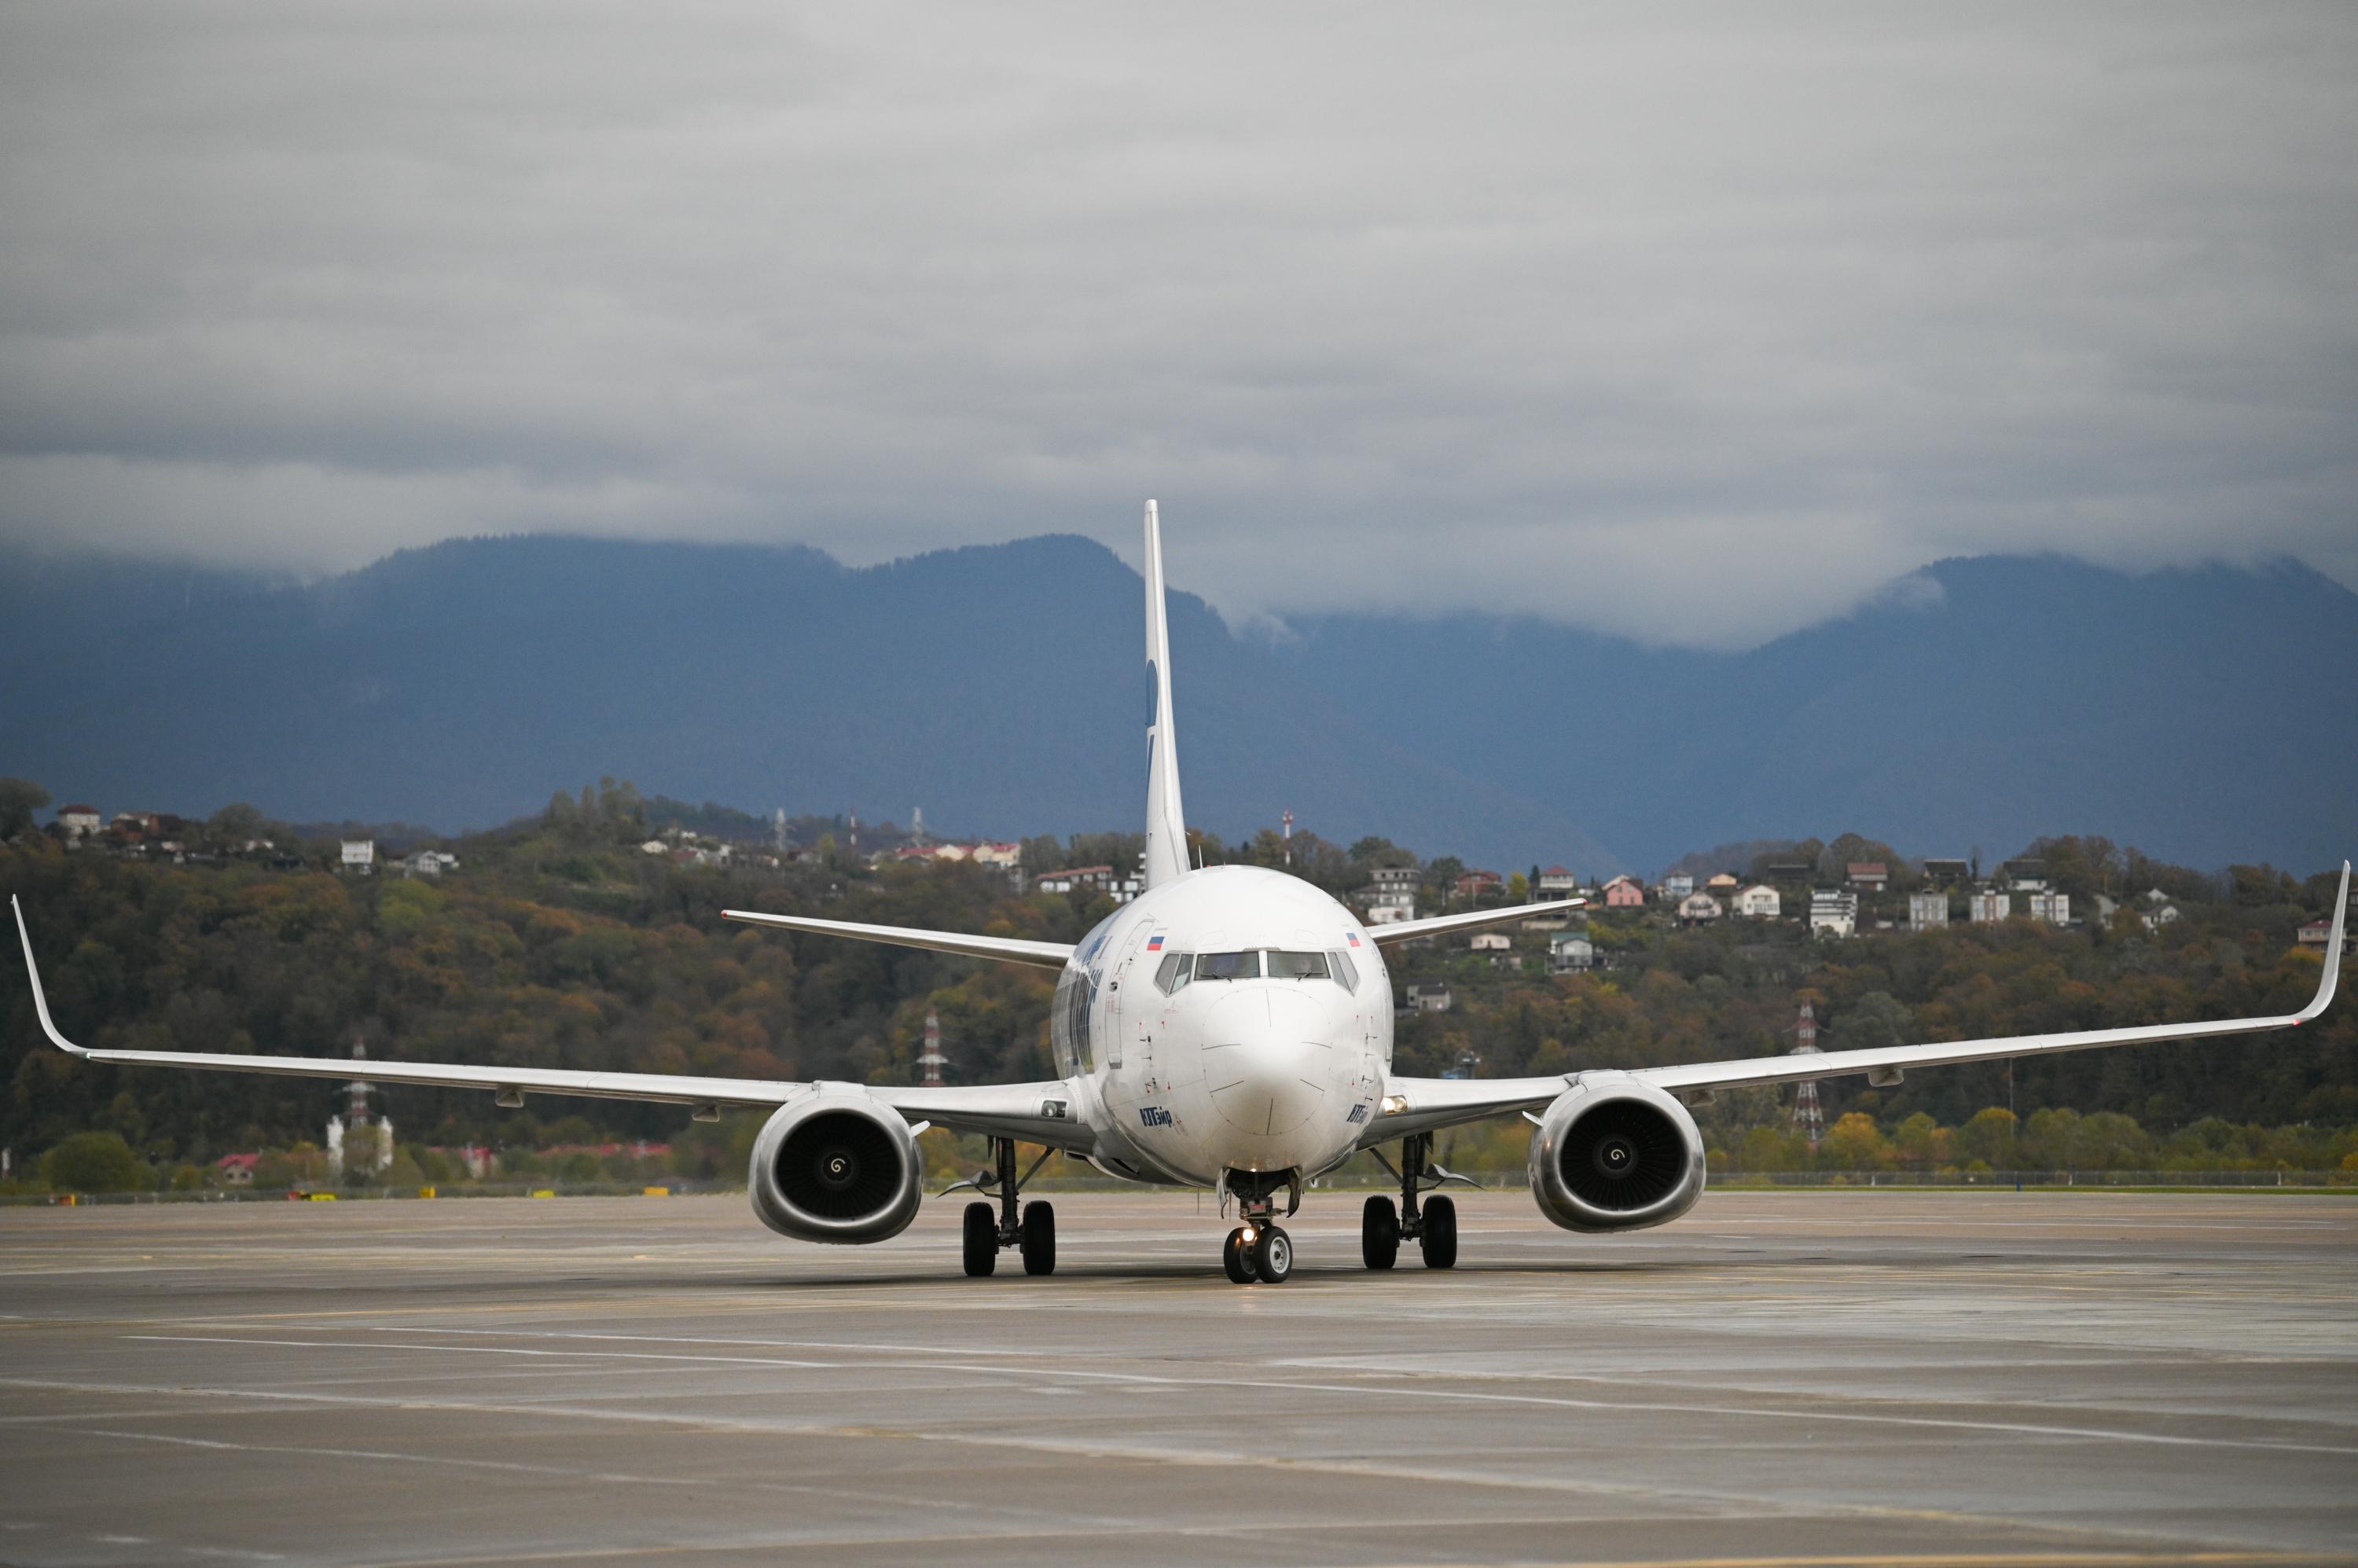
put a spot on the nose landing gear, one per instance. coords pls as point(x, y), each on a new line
point(1259, 1251)
point(1033, 1232)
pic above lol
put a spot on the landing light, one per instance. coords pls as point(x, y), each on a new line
point(1392, 1105)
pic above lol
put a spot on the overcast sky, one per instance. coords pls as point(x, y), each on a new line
point(1693, 323)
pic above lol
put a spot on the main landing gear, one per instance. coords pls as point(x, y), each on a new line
point(1032, 1231)
point(1433, 1229)
point(1259, 1251)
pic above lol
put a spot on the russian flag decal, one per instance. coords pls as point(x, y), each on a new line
point(1354, 936)
point(1154, 943)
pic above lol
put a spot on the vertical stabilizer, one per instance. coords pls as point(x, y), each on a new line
point(1166, 824)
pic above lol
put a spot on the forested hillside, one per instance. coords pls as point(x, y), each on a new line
point(560, 941)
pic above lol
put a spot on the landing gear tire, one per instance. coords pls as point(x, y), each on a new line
point(1379, 1233)
point(981, 1241)
point(1236, 1259)
point(1438, 1241)
point(1039, 1239)
point(1272, 1255)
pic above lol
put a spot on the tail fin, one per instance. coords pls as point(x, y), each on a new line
point(1166, 824)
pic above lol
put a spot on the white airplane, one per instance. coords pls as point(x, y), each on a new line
point(1232, 1029)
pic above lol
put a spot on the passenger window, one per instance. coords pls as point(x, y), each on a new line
point(1228, 967)
point(1345, 970)
point(1298, 966)
point(1174, 975)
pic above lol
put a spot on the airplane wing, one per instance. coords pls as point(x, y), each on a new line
point(1421, 1105)
point(1006, 949)
point(1042, 1113)
point(1472, 920)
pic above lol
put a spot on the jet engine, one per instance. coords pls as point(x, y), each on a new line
point(836, 1165)
point(1614, 1152)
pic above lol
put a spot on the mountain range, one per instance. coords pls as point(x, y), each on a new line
point(2204, 715)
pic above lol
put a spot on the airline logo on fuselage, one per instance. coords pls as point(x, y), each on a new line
point(1154, 1116)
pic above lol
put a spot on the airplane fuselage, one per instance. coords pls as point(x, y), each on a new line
point(1234, 1019)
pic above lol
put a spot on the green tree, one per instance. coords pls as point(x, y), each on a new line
point(95, 1163)
point(20, 798)
point(1988, 1138)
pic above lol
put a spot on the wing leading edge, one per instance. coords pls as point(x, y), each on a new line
point(1041, 1112)
point(1420, 1105)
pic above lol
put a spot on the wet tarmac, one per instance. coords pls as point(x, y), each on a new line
point(1777, 1379)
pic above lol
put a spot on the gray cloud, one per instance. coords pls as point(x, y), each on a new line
point(1697, 324)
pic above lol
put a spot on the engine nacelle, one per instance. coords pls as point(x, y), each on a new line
point(836, 1165)
point(1615, 1153)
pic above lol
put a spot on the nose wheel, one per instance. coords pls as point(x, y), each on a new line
point(1259, 1256)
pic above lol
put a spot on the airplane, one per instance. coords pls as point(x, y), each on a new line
point(1228, 1029)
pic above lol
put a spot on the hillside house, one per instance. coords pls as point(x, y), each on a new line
point(1947, 873)
point(1789, 873)
point(1927, 911)
point(1989, 908)
point(360, 856)
point(1075, 879)
point(1390, 895)
point(237, 1170)
point(1760, 901)
point(1724, 885)
point(1557, 882)
point(1699, 909)
point(2315, 933)
point(1477, 885)
point(1428, 995)
point(429, 863)
point(1491, 941)
point(1834, 912)
point(1678, 884)
point(2055, 908)
point(80, 822)
point(2025, 875)
point(1571, 952)
point(1867, 876)
point(1623, 892)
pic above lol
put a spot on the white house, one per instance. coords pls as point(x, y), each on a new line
point(2159, 915)
point(1927, 911)
point(1759, 902)
point(1557, 882)
point(1570, 952)
point(1834, 912)
point(1678, 884)
point(1699, 909)
point(80, 822)
point(360, 856)
point(1390, 895)
point(2055, 908)
point(429, 863)
point(1989, 908)
point(1491, 941)
point(1428, 995)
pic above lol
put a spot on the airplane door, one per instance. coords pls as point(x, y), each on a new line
point(1129, 1000)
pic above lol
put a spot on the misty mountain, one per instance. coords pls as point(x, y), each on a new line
point(2202, 714)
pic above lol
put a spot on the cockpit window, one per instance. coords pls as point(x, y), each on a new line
point(1298, 966)
point(1227, 966)
point(1345, 970)
point(1174, 974)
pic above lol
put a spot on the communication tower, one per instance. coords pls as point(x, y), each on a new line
point(1807, 1113)
point(931, 1061)
point(356, 1115)
point(1289, 836)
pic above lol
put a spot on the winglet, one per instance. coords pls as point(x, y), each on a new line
point(2325, 982)
point(41, 1002)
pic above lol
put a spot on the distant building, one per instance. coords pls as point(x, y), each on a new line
point(81, 822)
point(2158, 915)
point(1623, 892)
point(2055, 908)
point(1760, 901)
point(1699, 909)
point(1428, 995)
point(2026, 875)
point(1678, 884)
point(1872, 875)
point(1390, 895)
point(1834, 912)
point(1490, 942)
point(1557, 882)
point(1478, 884)
point(1788, 873)
point(2315, 933)
point(360, 856)
point(1947, 873)
point(429, 863)
point(1724, 885)
point(1989, 908)
point(1927, 911)
point(1571, 952)
point(1075, 879)
point(237, 1170)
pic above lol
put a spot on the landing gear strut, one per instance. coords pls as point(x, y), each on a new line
point(1259, 1249)
point(1433, 1228)
point(1030, 1227)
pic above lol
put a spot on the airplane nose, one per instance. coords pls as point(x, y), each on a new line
point(1265, 1062)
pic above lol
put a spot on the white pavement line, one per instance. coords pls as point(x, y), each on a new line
point(313, 1450)
point(1943, 1423)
